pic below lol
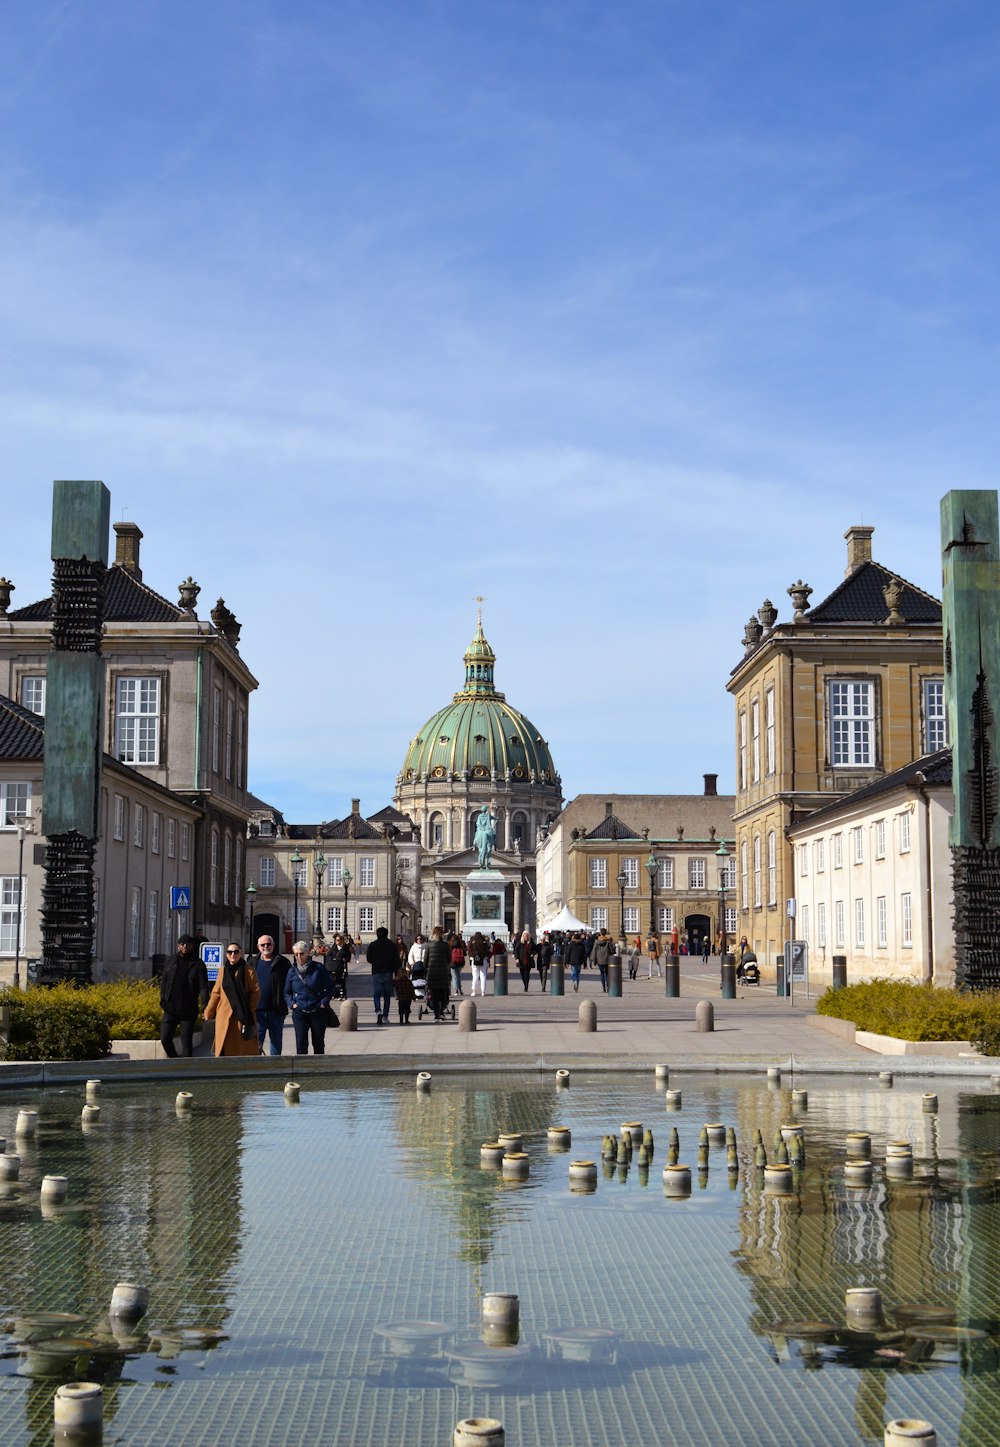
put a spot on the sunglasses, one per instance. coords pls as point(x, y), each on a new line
point(234, 952)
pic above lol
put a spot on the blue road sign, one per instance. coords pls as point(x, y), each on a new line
point(180, 897)
point(211, 955)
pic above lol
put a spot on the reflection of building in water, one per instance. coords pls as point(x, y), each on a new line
point(442, 1131)
point(979, 1299)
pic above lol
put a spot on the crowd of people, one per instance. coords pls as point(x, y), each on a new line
point(251, 999)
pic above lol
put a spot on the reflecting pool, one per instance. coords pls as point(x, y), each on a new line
point(316, 1270)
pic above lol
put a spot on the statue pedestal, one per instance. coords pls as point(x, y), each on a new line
point(485, 895)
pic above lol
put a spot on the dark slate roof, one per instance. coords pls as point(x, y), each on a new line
point(341, 829)
point(22, 733)
point(126, 600)
point(859, 599)
point(391, 815)
point(611, 827)
point(936, 769)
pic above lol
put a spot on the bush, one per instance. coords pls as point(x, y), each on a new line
point(62, 1023)
point(130, 1007)
point(917, 1012)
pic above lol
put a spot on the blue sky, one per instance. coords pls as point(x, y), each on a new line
point(618, 315)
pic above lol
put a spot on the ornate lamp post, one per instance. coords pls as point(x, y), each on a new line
point(251, 892)
point(651, 867)
point(295, 861)
point(345, 880)
point(722, 855)
point(319, 868)
point(23, 828)
point(621, 880)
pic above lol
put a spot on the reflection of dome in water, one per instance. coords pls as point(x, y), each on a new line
point(478, 735)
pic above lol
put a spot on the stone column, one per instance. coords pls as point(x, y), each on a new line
point(438, 908)
point(461, 906)
point(518, 914)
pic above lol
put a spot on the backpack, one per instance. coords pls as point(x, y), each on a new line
point(457, 956)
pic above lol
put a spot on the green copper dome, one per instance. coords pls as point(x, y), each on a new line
point(478, 735)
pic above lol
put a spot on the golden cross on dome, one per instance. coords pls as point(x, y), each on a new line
point(480, 600)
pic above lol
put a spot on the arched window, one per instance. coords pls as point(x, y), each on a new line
point(213, 868)
point(772, 868)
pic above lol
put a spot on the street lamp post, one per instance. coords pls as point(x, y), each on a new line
point(621, 880)
point(345, 880)
point(295, 861)
point(651, 871)
point(251, 893)
point(319, 866)
point(722, 855)
point(22, 830)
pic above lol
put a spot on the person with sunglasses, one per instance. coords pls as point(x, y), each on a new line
point(233, 1005)
point(272, 972)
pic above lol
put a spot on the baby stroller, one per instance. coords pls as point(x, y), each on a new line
point(418, 975)
point(747, 971)
point(338, 974)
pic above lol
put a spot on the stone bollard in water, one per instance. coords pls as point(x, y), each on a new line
point(349, 1015)
point(909, 1432)
point(704, 1017)
point(129, 1301)
point(78, 1413)
point(863, 1308)
point(588, 1017)
point(501, 1318)
point(292, 1090)
point(467, 1017)
point(479, 1432)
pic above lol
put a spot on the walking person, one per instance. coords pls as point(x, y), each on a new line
point(479, 954)
point(524, 952)
point(383, 957)
point(438, 965)
point(183, 992)
point(458, 953)
point(308, 988)
point(233, 1005)
point(405, 993)
point(272, 972)
point(653, 954)
point(706, 947)
point(601, 954)
point(576, 958)
point(543, 959)
point(634, 955)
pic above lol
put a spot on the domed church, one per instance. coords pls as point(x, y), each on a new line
point(477, 750)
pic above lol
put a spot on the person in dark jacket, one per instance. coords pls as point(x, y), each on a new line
point(405, 993)
point(524, 952)
point(183, 992)
point(272, 972)
point(603, 950)
point(438, 972)
point(308, 988)
point(383, 956)
point(543, 959)
point(576, 957)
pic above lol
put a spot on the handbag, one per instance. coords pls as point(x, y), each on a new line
point(332, 1018)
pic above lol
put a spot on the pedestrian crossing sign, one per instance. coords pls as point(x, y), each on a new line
point(180, 897)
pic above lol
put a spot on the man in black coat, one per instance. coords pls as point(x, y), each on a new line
point(272, 972)
point(183, 992)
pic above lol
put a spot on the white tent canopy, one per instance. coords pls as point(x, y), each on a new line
point(566, 920)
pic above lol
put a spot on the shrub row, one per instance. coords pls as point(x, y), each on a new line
point(67, 1023)
point(917, 1012)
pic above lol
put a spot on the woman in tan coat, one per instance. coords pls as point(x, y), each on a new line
point(233, 1005)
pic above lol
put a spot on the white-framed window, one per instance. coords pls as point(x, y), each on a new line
point(171, 838)
point(838, 851)
point(904, 833)
point(772, 867)
point(333, 917)
point(631, 871)
point(241, 747)
point(906, 915)
point(238, 872)
point(664, 874)
point(335, 873)
point(744, 875)
point(266, 829)
point(185, 841)
point(859, 924)
point(137, 720)
point(755, 738)
point(664, 919)
point(732, 919)
point(366, 919)
point(729, 873)
point(743, 749)
point(135, 932)
point(213, 867)
point(366, 871)
point(155, 824)
point(301, 924)
point(821, 924)
point(266, 872)
point(756, 872)
point(803, 861)
point(852, 723)
point(216, 728)
point(33, 692)
point(820, 855)
point(769, 728)
point(935, 716)
point(696, 874)
point(804, 923)
point(12, 892)
point(881, 922)
point(598, 917)
point(631, 920)
point(437, 833)
point(839, 935)
point(154, 920)
point(15, 803)
point(138, 825)
point(879, 838)
point(227, 865)
point(230, 715)
point(859, 844)
point(598, 874)
point(297, 871)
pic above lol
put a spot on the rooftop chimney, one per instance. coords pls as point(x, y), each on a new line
point(355, 806)
point(711, 785)
point(127, 542)
point(608, 811)
point(859, 548)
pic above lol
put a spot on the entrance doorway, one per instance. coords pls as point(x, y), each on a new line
point(697, 927)
point(449, 921)
point(265, 924)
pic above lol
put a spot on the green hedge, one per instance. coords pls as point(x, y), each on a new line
point(917, 1012)
point(63, 1023)
point(131, 1008)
